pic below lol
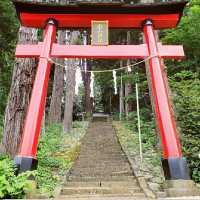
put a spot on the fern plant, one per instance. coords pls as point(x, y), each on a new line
point(11, 185)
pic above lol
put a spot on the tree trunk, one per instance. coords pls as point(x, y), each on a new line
point(70, 88)
point(121, 95)
point(128, 86)
point(20, 92)
point(128, 91)
point(86, 77)
point(86, 82)
point(55, 111)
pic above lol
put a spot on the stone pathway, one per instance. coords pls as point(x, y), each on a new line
point(101, 169)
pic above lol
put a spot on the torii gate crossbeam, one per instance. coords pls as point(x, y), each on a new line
point(146, 17)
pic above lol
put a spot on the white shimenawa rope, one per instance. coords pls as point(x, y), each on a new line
point(115, 80)
point(103, 71)
point(92, 85)
point(114, 71)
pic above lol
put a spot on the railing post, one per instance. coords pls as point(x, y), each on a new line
point(26, 158)
point(174, 165)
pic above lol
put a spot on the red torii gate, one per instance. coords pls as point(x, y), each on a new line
point(147, 17)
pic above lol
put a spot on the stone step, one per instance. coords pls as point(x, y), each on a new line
point(106, 160)
point(98, 174)
point(99, 190)
point(99, 170)
point(101, 178)
point(102, 154)
point(100, 119)
point(161, 194)
point(132, 183)
point(82, 162)
point(101, 167)
point(136, 196)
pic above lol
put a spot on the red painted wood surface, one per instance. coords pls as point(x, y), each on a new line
point(161, 21)
point(164, 113)
point(111, 51)
point(28, 147)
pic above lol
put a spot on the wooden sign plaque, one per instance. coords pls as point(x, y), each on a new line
point(100, 33)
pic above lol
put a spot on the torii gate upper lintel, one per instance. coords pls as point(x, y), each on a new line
point(146, 17)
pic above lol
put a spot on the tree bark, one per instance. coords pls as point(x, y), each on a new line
point(86, 77)
point(20, 92)
point(55, 111)
point(70, 88)
point(121, 95)
point(86, 82)
point(128, 86)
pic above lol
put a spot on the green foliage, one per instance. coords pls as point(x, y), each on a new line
point(8, 35)
point(186, 96)
point(12, 186)
point(129, 138)
point(185, 83)
point(78, 102)
point(49, 144)
point(147, 127)
point(56, 153)
point(77, 124)
point(187, 33)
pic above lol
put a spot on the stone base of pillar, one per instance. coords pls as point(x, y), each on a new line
point(25, 163)
point(181, 188)
point(175, 168)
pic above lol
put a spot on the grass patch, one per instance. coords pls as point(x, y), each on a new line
point(56, 153)
point(129, 139)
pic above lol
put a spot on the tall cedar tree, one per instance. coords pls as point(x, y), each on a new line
point(70, 87)
point(20, 92)
point(86, 77)
point(55, 111)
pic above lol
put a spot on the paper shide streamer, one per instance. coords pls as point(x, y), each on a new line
point(115, 80)
point(92, 85)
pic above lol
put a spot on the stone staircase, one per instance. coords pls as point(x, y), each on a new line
point(102, 188)
point(102, 169)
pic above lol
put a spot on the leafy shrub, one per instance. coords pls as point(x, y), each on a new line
point(77, 124)
point(147, 122)
point(12, 186)
point(56, 153)
point(49, 144)
point(186, 95)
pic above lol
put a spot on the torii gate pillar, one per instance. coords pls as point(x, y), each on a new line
point(175, 167)
point(26, 158)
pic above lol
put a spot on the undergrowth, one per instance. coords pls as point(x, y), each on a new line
point(56, 153)
point(128, 135)
point(11, 185)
